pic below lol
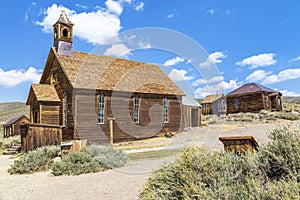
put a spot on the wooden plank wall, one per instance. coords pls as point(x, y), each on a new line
point(38, 135)
point(248, 103)
point(238, 146)
point(124, 127)
point(49, 114)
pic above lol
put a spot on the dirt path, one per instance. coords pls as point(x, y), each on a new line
point(124, 183)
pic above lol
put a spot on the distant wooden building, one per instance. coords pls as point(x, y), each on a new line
point(253, 97)
point(214, 105)
point(12, 127)
point(101, 98)
point(191, 112)
point(239, 144)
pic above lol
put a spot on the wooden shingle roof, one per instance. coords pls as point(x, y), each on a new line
point(43, 92)
point(251, 88)
point(212, 98)
point(90, 71)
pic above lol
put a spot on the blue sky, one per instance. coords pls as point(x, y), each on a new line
point(247, 41)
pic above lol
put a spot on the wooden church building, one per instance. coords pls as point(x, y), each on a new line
point(101, 98)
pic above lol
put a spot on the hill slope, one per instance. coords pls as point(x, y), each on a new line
point(291, 99)
point(11, 110)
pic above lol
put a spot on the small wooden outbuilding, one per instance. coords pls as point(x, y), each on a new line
point(239, 144)
point(214, 105)
point(253, 97)
point(12, 127)
point(191, 112)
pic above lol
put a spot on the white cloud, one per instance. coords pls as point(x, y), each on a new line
point(118, 50)
point(179, 75)
point(173, 61)
point(289, 93)
point(144, 45)
point(81, 6)
point(295, 59)
point(257, 75)
point(212, 59)
point(114, 6)
point(95, 27)
point(215, 79)
point(211, 11)
point(261, 60)
point(139, 6)
point(218, 88)
point(170, 16)
point(284, 75)
point(12, 78)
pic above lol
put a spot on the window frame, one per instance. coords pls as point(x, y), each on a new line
point(136, 109)
point(165, 110)
point(237, 104)
point(101, 109)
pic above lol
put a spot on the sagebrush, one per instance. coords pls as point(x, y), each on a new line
point(33, 161)
point(273, 173)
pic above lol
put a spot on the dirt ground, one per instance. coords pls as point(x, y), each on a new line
point(126, 182)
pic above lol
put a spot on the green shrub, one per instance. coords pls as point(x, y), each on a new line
point(33, 161)
point(107, 156)
point(76, 163)
point(273, 173)
point(281, 157)
point(9, 142)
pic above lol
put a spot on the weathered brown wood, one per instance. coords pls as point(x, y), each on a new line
point(38, 135)
point(239, 144)
point(12, 127)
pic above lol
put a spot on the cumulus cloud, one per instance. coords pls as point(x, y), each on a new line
point(295, 59)
point(284, 75)
point(257, 75)
point(179, 75)
point(218, 88)
point(94, 27)
point(289, 93)
point(173, 61)
point(81, 6)
point(118, 50)
point(14, 77)
point(114, 6)
point(201, 81)
point(139, 6)
point(212, 59)
point(261, 60)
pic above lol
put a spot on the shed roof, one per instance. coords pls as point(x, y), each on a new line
point(90, 71)
point(44, 92)
point(14, 120)
point(251, 88)
point(232, 138)
point(189, 101)
point(212, 98)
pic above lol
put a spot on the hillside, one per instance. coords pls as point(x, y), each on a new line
point(287, 99)
point(11, 110)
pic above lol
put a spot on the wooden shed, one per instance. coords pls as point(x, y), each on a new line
point(253, 97)
point(12, 127)
point(102, 99)
point(214, 105)
point(191, 112)
point(239, 144)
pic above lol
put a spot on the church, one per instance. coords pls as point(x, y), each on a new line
point(100, 98)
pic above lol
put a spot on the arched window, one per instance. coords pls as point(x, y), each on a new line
point(65, 33)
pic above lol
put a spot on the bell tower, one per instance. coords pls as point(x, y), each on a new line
point(63, 33)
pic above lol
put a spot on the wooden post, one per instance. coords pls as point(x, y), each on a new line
point(111, 130)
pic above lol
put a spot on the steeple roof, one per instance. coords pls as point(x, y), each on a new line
point(63, 18)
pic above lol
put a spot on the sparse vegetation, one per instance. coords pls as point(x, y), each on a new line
point(273, 173)
point(38, 160)
point(76, 163)
point(108, 157)
point(9, 142)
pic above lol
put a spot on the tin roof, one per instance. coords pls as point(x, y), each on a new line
point(14, 120)
point(251, 88)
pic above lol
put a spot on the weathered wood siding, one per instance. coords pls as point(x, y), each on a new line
point(239, 146)
point(206, 109)
point(38, 135)
point(121, 111)
point(247, 103)
point(49, 114)
point(14, 129)
point(191, 116)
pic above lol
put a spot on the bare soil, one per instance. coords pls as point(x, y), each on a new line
point(126, 182)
